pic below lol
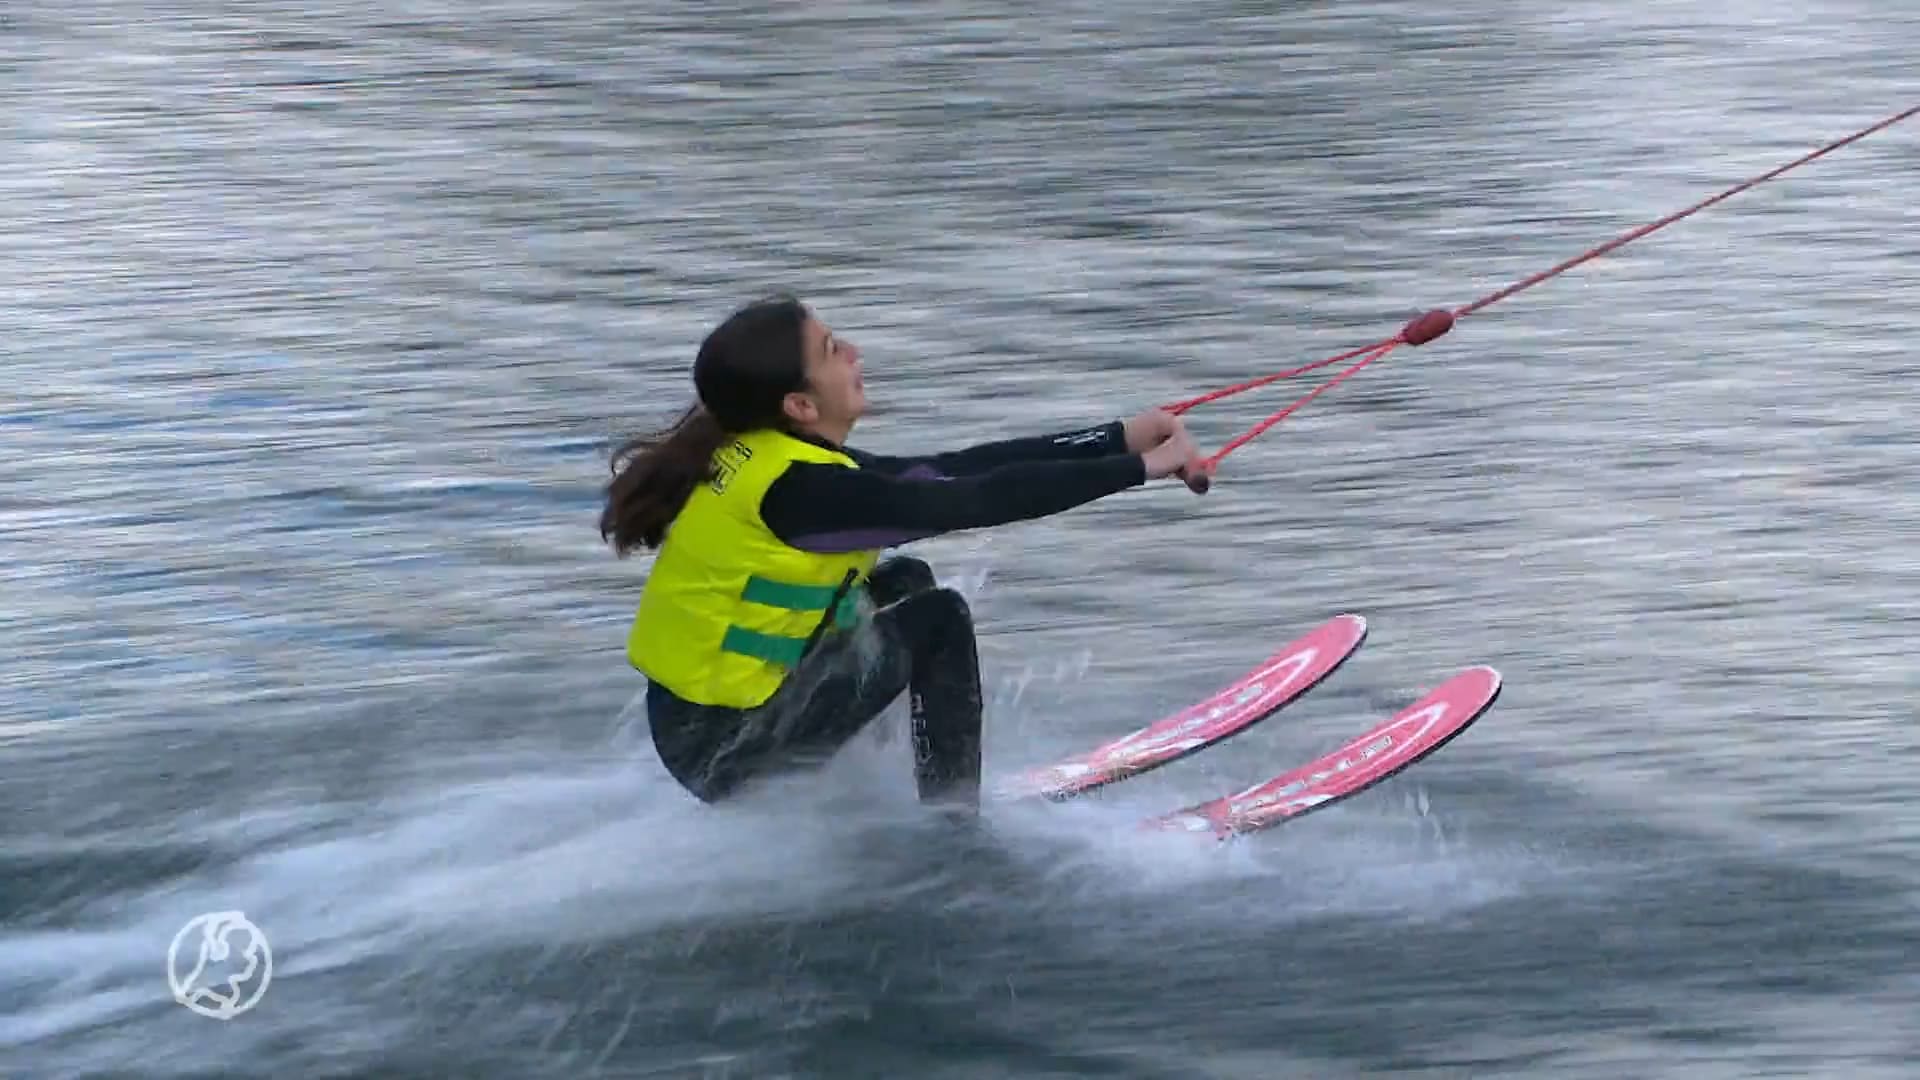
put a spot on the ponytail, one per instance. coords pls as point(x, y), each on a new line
point(653, 477)
point(742, 375)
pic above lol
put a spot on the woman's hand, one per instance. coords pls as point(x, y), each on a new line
point(1150, 429)
point(1172, 453)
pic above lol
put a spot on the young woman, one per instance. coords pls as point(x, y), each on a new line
point(770, 631)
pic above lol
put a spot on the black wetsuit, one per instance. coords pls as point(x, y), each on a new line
point(920, 638)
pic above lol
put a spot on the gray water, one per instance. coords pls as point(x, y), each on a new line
point(320, 319)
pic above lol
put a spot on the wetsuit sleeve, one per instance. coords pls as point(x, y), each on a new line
point(1077, 445)
point(830, 508)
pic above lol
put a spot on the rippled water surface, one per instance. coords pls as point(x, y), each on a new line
point(321, 319)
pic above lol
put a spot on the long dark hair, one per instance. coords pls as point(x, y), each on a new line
point(745, 369)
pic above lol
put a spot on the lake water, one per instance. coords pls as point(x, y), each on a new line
point(321, 319)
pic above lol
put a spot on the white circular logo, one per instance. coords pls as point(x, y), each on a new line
point(214, 974)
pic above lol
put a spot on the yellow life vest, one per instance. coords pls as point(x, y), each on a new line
point(728, 608)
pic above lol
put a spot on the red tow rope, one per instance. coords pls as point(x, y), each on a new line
point(1434, 323)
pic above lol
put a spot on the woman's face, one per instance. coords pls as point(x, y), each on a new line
point(836, 392)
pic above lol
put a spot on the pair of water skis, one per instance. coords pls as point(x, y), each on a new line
point(1389, 747)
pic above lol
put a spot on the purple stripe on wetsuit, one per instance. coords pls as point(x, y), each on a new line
point(834, 543)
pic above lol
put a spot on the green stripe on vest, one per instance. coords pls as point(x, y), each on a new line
point(783, 594)
point(769, 647)
point(778, 648)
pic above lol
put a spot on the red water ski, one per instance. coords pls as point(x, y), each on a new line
point(1412, 734)
point(1278, 680)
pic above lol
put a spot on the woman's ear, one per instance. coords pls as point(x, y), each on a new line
point(800, 408)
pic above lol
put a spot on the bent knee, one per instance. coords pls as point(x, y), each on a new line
point(904, 575)
point(952, 604)
point(910, 566)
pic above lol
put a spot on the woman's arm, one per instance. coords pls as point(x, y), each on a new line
point(1077, 445)
point(829, 508)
